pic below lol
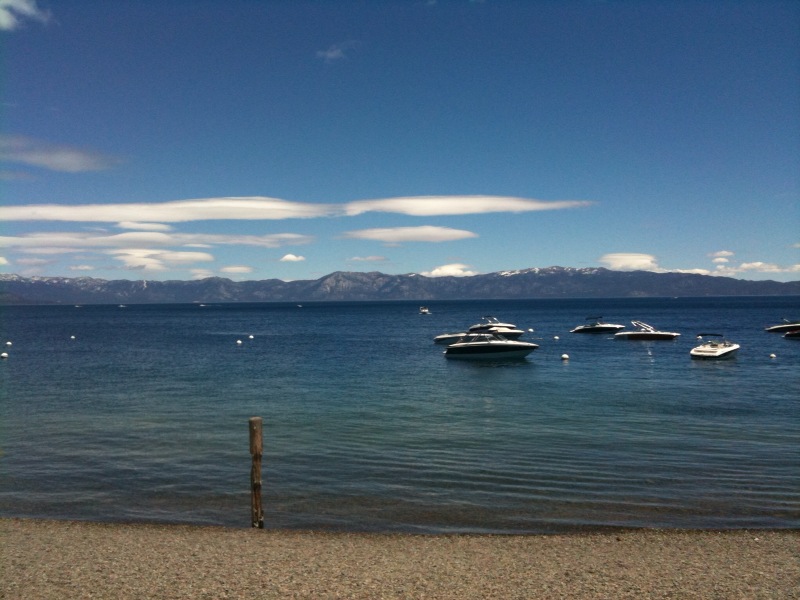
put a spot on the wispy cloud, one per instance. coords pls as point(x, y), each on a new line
point(157, 260)
point(451, 270)
point(14, 12)
point(429, 206)
point(397, 235)
point(336, 52)
point(255, 208)
point(368, 259)
point(36, 153)
point(236, 269)
point(147, 238)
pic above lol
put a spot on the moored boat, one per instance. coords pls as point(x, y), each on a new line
point(787, 325)
point(490, 324)
point(644, 331)
point(596, 325)
point(794, 334)
point(448, 338)
point(491, 346)
point(424, 310)
point(714, 349)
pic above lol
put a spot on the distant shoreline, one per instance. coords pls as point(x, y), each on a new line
point(42, 559)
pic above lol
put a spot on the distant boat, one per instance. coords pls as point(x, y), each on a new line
point(424, 310)
point(483, 346)
point(787, 325)
point(596, 325)
point(714, 349)
point(645, 332)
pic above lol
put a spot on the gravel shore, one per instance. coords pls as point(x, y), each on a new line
point(65, 559)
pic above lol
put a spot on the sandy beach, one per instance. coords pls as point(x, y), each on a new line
point(66, 559)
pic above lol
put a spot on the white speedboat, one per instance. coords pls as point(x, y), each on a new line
point(482, 346)
point(644, 331)
point(714, 348)
point(491, 324)
point(424, 310)
point(596, 325)
point(787, 325)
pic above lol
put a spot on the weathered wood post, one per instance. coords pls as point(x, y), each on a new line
point(256, 448)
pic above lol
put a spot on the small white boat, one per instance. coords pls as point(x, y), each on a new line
point(714, 349)
point(787, 325)
point(483, 346)
point(491, 324)
point(596, 325)
point(424, 310)
point(644, 331)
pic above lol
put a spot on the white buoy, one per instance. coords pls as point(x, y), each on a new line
point(565, 357)
point(530, 329)
point(72, 337)
point(555, 337)
point(251, 337)
point(8, 343)
point(772, 356)
point(239, 342)
point(4, 355)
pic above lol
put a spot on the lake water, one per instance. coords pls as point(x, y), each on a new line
point(140, 413)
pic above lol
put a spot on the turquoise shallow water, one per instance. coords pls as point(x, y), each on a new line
point(143, 416)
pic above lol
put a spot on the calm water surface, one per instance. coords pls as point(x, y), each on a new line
point(143, 416)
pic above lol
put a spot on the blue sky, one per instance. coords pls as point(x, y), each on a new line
point(180, 139)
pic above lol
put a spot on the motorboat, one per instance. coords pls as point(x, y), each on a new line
point(787, 325)
point(424, 310)
point(596, 325)
point(714, 348)
point(448, 338)
point(794, 334)
point(482, 346)
point(644, 331)
point(490, 324)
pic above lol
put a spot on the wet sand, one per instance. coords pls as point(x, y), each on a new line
point(65, 559)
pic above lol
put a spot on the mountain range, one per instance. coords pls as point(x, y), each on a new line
point(549, 282)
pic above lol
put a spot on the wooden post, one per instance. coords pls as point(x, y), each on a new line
point(256, 446)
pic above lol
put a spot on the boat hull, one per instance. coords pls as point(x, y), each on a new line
point(705, 352)
point(488, 352)
point(597, 328)
point(646, 335)
point(785, 327)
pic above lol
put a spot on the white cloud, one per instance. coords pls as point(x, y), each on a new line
point(201, 273)
point(254, 208)
point(428, 206)
point(424, 233)
point(81, 268)
point(721, 261)
point(157, 260)
point(721, 254)
point(451, 270)
point(224, 209)
point(236, 269)
point(35, 153)
point(292, 258)
point(144, 226)
point(146, 238)
point(630, 261)
point(12, 12)
point(761, 267)
point(3, 260)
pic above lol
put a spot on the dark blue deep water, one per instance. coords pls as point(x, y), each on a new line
point(143, 416)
